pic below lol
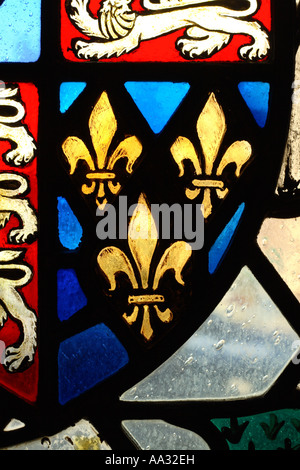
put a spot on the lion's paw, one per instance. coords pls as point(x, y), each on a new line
point(25, 149)
point(19, 236)
point(202, 48)
point(16, 357)
point(101, 50)
point(19, 157)
point(85, 50)
point(253, 53)
point(191, 49)
point(256, 51)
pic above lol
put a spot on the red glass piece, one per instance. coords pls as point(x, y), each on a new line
point(23, 383)
point(163, 48)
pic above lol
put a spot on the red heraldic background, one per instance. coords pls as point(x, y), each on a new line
point(23, 383)
point(161, 49)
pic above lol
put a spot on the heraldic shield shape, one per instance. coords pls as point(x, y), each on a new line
point(161, 139)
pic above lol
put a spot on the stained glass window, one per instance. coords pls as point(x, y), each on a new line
point(149, 227)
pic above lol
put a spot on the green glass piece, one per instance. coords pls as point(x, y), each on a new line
point(274, 430)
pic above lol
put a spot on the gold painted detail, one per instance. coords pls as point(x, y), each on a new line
point(145, 299)
point(142, 242)
point(101, 177)
point(211, 129)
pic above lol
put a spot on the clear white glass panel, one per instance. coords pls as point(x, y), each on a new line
point(279, 240)
point(81, 436)
point(156, 434)
point(238, 352)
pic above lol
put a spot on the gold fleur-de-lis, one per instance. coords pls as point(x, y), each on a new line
point(142, 241)
point(211, 129)
point(101, 177)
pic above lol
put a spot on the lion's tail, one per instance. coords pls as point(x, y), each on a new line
point(167, 4)
point(82, 19)
point(252, 8)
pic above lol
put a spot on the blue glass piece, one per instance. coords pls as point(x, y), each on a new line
point(256, 96)
point(157, 101)
point(20, 32)
point(222, 243)
point(69, 229)
point(70, 297)
point(86, 359)
point(69, 92)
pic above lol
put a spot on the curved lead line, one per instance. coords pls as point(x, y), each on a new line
point(12, 178)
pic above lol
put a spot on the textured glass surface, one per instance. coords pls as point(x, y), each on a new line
point(13, 425)
point(20, 31)
point(70, 297)
point(156, 434)
point(69, 229)
point(69, 92)
point(157, 101)
point(81, 436)
point(237, 353)
point(279, 240)
point(161, 102)
point(274, 430)
point(256, 96)
point(81, 367)
point(19, 241)
point(223, 241)
point(290, 171)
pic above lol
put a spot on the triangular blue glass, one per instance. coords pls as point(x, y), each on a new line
point(256, 96)
point(69, 92)
point(222, 243)
point(157, 101)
